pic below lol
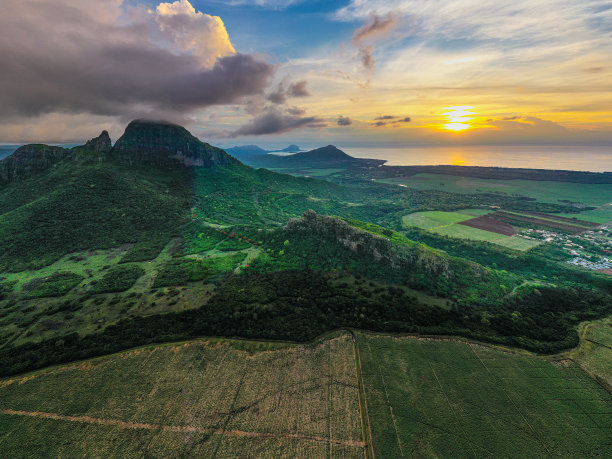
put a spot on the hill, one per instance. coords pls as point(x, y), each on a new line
point(324, 157)
point(246, 151)
point(293, 148)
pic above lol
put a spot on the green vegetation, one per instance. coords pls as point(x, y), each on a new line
point(84, 204)
point(206, 398)
point(57, 284)
point(586, 193)
point(424, 397)
point(183, 270)
point(145, 250)
point(445, 224)
point(119, 278)
point(445, 398)
point(595, 351)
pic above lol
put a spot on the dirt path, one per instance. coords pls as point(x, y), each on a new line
point(363, 404)
point(169, 428)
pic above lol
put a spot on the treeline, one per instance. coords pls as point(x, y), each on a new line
point(300, 305)
point(500, 173)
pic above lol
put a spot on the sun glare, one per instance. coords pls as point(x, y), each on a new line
point(458, 118)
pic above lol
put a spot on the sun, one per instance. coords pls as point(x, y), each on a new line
point(458, 118)
point(456, 126)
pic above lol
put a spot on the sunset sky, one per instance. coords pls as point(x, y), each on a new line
point(359, 72)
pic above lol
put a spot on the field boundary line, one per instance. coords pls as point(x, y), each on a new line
point(174, 428)
point(368, 440)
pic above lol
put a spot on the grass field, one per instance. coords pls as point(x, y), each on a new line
point(445, 398)
point(214, 398)
point(595, 195)
point(446, 224)
point(595, 351)
point(92, 304)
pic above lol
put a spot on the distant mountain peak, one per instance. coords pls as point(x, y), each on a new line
point(100, 144)
point(293, 148)
point(166, 143)
point(328, 153)
point(30, 159)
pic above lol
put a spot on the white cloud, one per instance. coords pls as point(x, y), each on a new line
point(270, 4)
point(193, 31)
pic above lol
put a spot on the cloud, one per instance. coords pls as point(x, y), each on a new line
point(269, 4)
point(278, 97)
point(281, 94)
point(344, 121)
point(365, 54)
point(298, 89)
point(296, 111)
point(274, 121)
point(390, 120)
point(375, 27)
point(63, 56)
point(193, 31)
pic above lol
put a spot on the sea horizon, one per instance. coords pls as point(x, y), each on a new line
point(576, 158)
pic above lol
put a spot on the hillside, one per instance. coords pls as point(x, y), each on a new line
point(329, 156)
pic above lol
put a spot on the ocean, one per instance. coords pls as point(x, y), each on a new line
point(581, 158)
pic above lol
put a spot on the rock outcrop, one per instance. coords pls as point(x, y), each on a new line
point(100, 144)
point(380, 249)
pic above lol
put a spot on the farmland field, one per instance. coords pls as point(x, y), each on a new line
point(595, 195)
point(213, 398)
point(445, 398)
point(453, 224)
point(595, 351)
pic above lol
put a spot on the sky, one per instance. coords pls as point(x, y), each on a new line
point(271, 72)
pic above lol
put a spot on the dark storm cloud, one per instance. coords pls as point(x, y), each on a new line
point(344, 121)
point(61, 56)
point(385, 117)
point(405, 120)
point(274, 121)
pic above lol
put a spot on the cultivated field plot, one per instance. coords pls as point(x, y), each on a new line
point(444, 398)
point(215, 398)
point(456, 224)
point(547, 191)
point(595, 351)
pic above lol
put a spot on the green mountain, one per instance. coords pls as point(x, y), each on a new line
point(329, 156)
point(166, 144)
